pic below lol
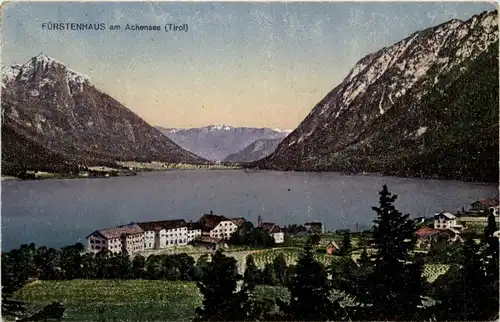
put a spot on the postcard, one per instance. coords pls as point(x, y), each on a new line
point(249, 161)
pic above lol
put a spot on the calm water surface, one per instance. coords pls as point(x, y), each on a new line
point(55, 213)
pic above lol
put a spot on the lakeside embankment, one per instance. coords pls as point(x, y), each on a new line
point(123, 168)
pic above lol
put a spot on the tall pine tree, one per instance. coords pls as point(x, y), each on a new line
point(310, 291)
point(218, 285)
point(395, 283)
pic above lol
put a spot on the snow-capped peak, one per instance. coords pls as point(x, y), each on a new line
point(282, 131)
point(220, 127)
point(45, 70)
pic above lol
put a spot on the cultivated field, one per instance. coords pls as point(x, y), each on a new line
point(124, 300)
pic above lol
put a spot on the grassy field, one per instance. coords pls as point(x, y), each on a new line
point(127, 300)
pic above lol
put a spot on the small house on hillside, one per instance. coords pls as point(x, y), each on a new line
point(274, 231)
point(482, 205)
point(446, 220)
point(332, 247)
point(426, 236)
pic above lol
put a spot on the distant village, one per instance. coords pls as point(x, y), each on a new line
point(452, 225)
point(212, 230)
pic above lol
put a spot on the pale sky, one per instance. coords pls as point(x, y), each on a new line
point(241, 64)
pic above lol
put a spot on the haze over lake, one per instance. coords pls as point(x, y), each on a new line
point(55, 213)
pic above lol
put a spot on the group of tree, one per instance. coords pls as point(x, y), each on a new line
point(388, 284)
point(248, 235)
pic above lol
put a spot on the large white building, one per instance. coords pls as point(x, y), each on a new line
point(217, 226)
point(165, 233)
point(128, 238)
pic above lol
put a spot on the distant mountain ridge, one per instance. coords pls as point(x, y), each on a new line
point(51, 109)
point(216, 142)
point(254, 151)
point(426, 106)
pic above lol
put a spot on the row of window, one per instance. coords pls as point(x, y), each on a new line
point(224, 230)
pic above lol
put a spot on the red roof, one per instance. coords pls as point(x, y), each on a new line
point(426, 232)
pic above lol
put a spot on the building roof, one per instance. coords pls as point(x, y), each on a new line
point(239, 221)
point(446, 214)
point(194, 226)
point(210, 221)
point(270, 228)
point(162, 224)
point(117, 232)
point(487, 202)
point(426, 232)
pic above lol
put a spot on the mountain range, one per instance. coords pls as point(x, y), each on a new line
point(216, 142)
point(54, 117)
point(256, 150)
point(426, 106)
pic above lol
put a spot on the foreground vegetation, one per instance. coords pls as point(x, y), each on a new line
point(124, 300)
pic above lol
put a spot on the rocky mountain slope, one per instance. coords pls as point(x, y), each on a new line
point(254, 151)
point(426, 106)
point(216, 142)
point(52, 115)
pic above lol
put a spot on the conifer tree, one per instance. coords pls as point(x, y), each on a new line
point(251, 274)
point(491, 266)
point(310, 291)
point(462, 301)
point(280, 269)
point(218, 286)
point(392, 276)
point(346, 244)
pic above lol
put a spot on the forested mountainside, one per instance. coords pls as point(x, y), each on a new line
point(426, 106)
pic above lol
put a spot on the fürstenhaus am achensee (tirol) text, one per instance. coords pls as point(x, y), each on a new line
point(76, 26)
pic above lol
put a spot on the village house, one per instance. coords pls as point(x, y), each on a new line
point(315, 227)
point(446, 220)
point(426, 236)
point(274, 231)
point(128, 238)
point(332, 247)
point(217, 226)
point(482, 205)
